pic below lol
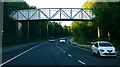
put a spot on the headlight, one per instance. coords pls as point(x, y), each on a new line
point(102, 50)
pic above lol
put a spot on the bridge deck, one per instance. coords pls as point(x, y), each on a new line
point(51, 14)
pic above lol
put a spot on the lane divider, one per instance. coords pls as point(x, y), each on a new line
point(58, 47)
point(20, 54)
point(69, 55)
point(81, 62)
point(78, 46)
point(63, 51)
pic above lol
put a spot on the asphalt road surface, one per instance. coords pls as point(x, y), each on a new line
point(55, 53)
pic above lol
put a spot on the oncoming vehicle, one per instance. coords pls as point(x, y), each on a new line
point(62, 40)
point(51, 39)
point(104, 48)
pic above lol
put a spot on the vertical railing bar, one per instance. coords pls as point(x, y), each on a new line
point(82, 13)
point(71, 14)
point(28, 14)
point(60, 13)
point(17, 15)
point(39, 13)
point(49, 14)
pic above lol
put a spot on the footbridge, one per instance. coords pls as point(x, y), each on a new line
point(53, 14)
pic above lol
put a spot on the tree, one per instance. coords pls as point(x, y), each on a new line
point(107, 16)
point(56, 30)
point(10, 27)
point(83, 31)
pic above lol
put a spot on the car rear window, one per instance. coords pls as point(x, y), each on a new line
point(105, 44)
point(51, 38)
point(62, 39)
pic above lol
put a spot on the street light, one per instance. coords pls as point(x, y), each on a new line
point(108, 36)
point(98, 32)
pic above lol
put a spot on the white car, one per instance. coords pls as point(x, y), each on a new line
point(62, 40)
point(103, 48)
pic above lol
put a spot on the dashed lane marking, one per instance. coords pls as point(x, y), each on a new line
point(69, 55)
point(60, 49)
point(63, 51)
point(81, 62)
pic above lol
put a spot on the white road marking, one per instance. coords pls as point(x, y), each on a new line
point(67, 42)
point(57, 46)
point(84, 49)
point(74, 46)
point(81, 48)
point(89, 50)
point(20, 54)
point(63, 51)
point(78, 47)
point(81, 62)
point(69, 55)
point(60, 49)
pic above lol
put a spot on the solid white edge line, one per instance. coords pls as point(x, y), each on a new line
point(67, 41)
point(20, 54)
point(78, 46)
point(84, 49)
point(81, 62)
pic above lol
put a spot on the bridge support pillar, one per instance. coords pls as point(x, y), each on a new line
point(25, 31)
point(28, 30)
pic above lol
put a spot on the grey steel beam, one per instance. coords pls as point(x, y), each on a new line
point(53, 14)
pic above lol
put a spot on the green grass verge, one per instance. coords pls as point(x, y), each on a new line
point(82, 41)
point(116, 44)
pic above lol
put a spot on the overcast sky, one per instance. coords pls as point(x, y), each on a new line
point(57, 4)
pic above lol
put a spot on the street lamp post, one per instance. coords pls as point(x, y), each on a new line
point(108, 36)
point(98, 32)
point(47, 29)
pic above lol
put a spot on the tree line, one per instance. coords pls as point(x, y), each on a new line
point(83, 31)
point(15, 32)
point(57, 30)
point(107, 18)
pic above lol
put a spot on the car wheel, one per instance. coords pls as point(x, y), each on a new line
point(99, 54)
point(92, 53)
